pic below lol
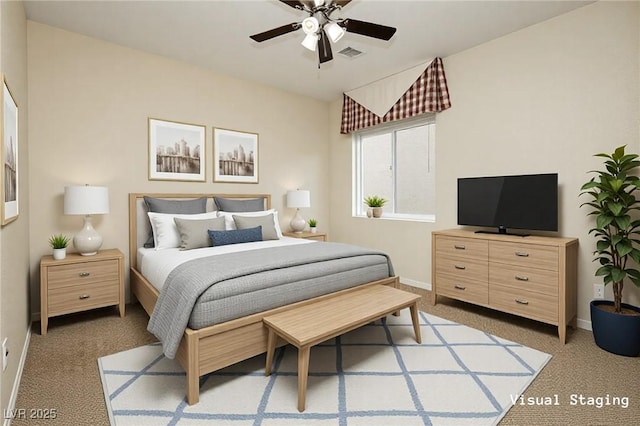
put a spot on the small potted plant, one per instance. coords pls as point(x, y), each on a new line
point(375, 203)
point(59, 243)
point(313, 225)
point(616, 325)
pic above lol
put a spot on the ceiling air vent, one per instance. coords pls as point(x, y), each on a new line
point(350, 52)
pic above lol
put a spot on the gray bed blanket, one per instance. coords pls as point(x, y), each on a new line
point(188, 281)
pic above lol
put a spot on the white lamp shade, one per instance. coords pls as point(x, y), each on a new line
point(86, 200)
point(298, 199)
point(310, 25)
point(334, 31)
point(310, 42)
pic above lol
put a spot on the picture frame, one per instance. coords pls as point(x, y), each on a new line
point(235, 156)
point(177, 151)
point(9, 156)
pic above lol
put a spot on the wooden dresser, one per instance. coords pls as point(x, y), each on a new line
point(79, 283)
point(534, 277)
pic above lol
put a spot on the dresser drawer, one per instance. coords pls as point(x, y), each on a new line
point(462, 267)
point(517, 277)
point(65, 300)
point(462, 289)
point(526, 255)
point(538, 306)
point(83, 273)
point(465, 247)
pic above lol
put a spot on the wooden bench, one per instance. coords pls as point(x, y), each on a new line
point(317, 322)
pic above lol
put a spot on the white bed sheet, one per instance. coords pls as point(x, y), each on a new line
point(156, 265)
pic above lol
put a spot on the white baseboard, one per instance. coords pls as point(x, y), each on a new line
point(584, 324)
point(415, 283)
point(16, 383)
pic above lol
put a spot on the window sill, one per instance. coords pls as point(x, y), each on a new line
point(401, 218)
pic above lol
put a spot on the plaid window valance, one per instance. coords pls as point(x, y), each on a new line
point(428, 94)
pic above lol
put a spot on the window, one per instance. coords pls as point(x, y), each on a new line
point(397, 162)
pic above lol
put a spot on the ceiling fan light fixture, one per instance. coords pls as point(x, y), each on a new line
point(334, 31)
point(310, 25)
point(310, 41)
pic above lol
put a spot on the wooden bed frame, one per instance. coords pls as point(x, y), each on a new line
point(211, 348)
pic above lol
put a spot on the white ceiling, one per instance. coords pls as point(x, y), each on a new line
point(215, 34)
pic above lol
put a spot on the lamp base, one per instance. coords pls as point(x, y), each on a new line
point(298, 223)
point(87, 241)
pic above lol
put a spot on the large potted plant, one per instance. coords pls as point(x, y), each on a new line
point(616, 325)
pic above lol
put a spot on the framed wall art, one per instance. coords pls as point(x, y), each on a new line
point(177, 151)
point(9, 155)
point(235, 156)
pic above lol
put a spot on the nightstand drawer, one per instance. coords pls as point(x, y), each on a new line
point(65, 300)
point(83, 273)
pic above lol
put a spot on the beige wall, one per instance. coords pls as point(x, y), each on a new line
point(14, 237)
point(543, 99)
point(89, 104)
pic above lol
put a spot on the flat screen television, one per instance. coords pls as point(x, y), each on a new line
point(509, 202)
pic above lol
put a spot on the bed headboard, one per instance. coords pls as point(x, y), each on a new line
point(139, 226)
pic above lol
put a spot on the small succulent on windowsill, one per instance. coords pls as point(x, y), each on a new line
point(59, 241)
point(375, 201)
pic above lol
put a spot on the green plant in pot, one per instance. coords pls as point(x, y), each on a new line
point(376, 203)
point(616, 325)
point(59, 243)
point(313, 225)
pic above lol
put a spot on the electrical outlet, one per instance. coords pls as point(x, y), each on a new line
point(5, 353)
point(598, 291)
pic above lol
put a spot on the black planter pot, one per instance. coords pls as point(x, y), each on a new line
point(615, 333)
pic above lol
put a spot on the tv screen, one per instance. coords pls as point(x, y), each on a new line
point(520, 202)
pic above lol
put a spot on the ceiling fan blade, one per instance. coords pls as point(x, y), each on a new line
point(275, 32)
point(342, 3)
point(296, 4)
point(324, 48)
point(368, 29)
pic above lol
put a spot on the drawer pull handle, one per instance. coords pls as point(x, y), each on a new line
point(522, 254)
point(459, 287)
point(522, 302)
point(84, 274)
point(84, 296)
point(519, 278)
point(460, 267)
point(459, 247)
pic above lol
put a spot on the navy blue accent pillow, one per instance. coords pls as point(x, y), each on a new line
point(235, 236)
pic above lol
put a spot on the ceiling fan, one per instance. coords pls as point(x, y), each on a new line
point(320, 27)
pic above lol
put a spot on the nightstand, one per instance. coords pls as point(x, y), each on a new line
point(319, 236)
point(79, 283)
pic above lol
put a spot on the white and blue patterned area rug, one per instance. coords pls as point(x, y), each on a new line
point(376, 375)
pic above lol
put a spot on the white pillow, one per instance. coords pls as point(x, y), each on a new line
point(165, 231)
point(230, 224)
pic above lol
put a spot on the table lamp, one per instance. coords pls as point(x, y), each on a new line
point(296, 200)
point(86, 200)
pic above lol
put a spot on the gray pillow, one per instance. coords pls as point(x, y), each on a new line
point(266, 222)
point(157, 205)
point(194, 232)
point(235, 236)
point(228, 205)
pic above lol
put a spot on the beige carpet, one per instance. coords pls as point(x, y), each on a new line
point(61, 370)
